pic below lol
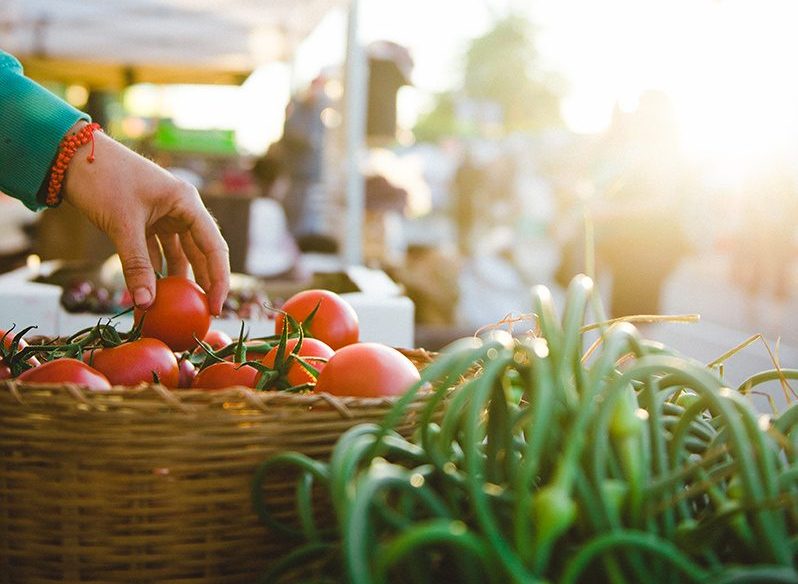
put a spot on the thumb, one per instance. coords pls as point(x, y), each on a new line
point(137, 267)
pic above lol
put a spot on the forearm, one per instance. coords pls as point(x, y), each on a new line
point(32, 123)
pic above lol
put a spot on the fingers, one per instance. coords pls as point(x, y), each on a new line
point(208, 242)
point(207, 252)
point(198, 262)
point(131, 244)
point(211, 263)
point(189, 235)
point(176, 260)
point(156, 255)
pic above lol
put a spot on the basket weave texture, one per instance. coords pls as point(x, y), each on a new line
point(150, 485)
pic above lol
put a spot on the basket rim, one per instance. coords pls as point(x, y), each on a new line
point(178, 395)
point(188, 400)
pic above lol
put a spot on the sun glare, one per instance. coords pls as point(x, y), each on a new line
point(736, 99)
point(725, 64)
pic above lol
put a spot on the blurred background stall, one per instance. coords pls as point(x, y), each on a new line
point(474, 144)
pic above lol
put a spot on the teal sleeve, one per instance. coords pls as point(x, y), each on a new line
point(32, 122)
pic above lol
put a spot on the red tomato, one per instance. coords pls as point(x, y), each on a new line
point(225, 374)
point(314, 353)
point(334, 323)
point(66, 370)
point(217, 339)
point(179, 313)
point(135, 362)
point(367, 370)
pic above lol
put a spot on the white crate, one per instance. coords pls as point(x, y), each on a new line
point(384, 319)
point(29, 303)
point(385, 315)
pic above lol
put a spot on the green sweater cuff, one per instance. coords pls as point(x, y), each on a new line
point(32, 122)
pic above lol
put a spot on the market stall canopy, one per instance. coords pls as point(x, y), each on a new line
point(109, 44)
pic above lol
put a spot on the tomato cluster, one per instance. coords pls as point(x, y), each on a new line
point(100, 357)
point(354, 368)
point(315, 347)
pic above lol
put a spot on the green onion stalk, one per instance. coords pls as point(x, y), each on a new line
point(536, 461)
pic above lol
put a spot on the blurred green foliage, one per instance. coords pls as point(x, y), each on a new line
point(501, 69)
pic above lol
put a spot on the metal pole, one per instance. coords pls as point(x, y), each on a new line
point(356, 95)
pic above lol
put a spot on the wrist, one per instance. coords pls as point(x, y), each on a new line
point(79, 135)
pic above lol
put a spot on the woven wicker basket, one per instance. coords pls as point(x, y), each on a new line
point(149, 485)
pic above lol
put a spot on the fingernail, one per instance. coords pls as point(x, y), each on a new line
point(142, 297)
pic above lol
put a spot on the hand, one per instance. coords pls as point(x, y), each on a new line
point(145, 211)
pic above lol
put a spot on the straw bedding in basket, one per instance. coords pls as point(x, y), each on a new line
point(151, 485)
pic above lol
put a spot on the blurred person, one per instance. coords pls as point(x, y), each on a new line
point(386, 205)
point(382, 195)
point(425, 268)
point(302, 146)
point(640, 236)
point(271, 249)
point(490, 283)
point(269, 174)
point(501, 206)
point(144, 209)
point(467, 184)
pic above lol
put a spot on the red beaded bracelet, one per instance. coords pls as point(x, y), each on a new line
point(66, 150)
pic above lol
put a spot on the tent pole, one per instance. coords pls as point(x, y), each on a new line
point(356, 95)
